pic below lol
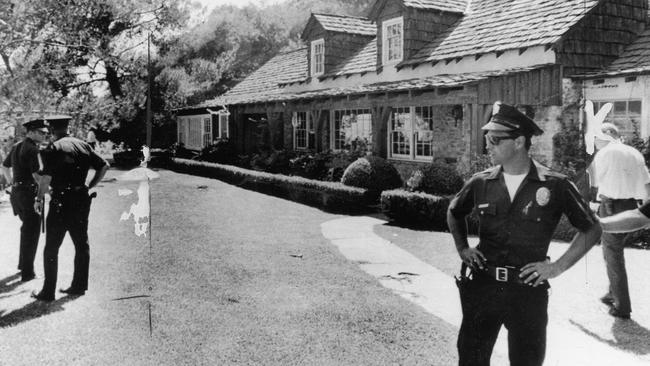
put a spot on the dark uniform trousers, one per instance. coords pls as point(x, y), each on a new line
point(613, 252)
point(488, 304)
point(69, 210)
point(22, 201)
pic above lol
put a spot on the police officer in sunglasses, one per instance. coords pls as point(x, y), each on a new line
point(518, 203)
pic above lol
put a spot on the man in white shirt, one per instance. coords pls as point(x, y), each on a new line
point(620, 174)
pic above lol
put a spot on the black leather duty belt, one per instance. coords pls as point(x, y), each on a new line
point(507, 274)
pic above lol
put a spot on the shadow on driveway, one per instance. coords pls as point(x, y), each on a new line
point(9, 283)
point(33, 310)
point(628, 335)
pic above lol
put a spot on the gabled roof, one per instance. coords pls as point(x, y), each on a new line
point(346, 24)
point(452, 6)
point(499, 25)
point(286, 67)
point(456, 6)
point(365, 60)
point(634, 60)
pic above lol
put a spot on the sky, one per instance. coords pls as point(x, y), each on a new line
point(213, 3)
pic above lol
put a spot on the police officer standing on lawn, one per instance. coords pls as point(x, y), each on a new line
point(20, 169)
point(518, 203)
point(66, 162)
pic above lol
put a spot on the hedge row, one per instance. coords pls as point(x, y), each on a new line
point(332, 196)
point(415, 208)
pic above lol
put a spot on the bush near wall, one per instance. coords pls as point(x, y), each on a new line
point(332, 196)
point(415, 209)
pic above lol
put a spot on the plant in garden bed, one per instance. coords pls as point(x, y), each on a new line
point(373, 173)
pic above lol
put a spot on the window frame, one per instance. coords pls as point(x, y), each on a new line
point(340, 137)
point(315, 71)
point(384, 41)
point(207, 131)
point(296, 130)
point(222, 120)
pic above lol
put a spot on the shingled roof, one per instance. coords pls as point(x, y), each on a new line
point(284, 68)
point(365, 60)
point(446, 5)
point(437, 81)
point(498, 25)
point(634, 60)
point(346, 24)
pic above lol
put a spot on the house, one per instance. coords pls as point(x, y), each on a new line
point(626, 84)
point(417, 79)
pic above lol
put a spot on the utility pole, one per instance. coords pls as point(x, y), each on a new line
point(149, 90)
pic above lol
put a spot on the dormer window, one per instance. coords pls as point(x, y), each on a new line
point(392, 41)
point(318, 57)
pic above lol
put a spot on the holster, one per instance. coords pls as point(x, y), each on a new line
point(466, 289)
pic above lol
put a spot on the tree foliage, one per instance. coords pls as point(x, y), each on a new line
point(88, 58)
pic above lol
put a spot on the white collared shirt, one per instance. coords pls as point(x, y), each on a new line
point(620, 172)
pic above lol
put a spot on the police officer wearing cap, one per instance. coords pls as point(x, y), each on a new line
point(66, 162)
point(518, 203)
point(21, 168)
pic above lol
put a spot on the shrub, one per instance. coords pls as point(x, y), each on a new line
point(478, 163)
point(222, 151)
point(273, 161)
point(332, 196)
point(440, 179)
point(415, 209)
point(373, 173)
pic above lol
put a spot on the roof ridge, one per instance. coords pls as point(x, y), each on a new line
point(343, 16)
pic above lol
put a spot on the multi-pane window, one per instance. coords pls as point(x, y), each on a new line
point(350, 125)
point(423, 131)
point(318, 57)
point(400, 132)
point(207, 131)
point(413, 131)
point(392, 40)
point(300, 130)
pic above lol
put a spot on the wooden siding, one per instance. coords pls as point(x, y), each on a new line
point(536, 87)
point(421, 26)
point(602, 35)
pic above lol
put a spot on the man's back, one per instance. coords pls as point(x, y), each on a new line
point(620, 172)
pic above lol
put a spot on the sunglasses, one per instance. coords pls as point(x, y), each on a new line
point(496, 140)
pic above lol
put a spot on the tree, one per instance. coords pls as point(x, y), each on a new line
point(86, 57)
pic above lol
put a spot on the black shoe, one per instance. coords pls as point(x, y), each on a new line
point(73, 291)
point(41, 297)
point(607, 300)
point(618, 314)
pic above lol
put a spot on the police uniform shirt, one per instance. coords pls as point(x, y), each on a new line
point(67, 160)
point(519, 232)
point(23, 159)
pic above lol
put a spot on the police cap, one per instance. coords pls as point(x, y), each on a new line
point(509, 119)
point(57, 121)
point(36, 124)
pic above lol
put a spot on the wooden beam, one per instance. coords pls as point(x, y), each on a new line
point(434, 63)
point(477, 56)
point(522, 50)
point(458, 59)
point(448, 61)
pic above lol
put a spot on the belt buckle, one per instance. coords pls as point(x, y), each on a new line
point(502, 274)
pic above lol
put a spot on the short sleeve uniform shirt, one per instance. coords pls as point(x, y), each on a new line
point(67, 160)
point(518, 232)
point(23, 160)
